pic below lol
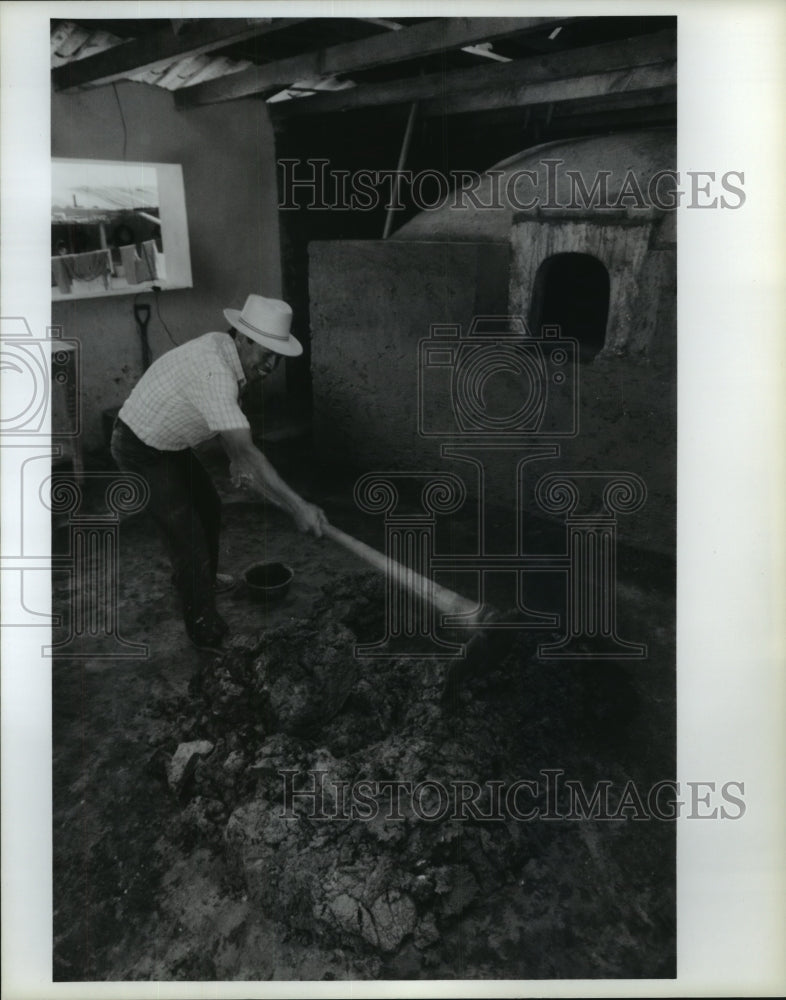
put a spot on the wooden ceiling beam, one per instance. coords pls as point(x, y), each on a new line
point(658, 98)
point(521, 95)
point(659, 104)
point(161, 48)
point(642, 50)
point(661, 112)
point(438, 35)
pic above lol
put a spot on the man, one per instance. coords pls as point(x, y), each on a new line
point(188, 395)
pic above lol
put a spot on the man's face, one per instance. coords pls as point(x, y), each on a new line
point(257, 361)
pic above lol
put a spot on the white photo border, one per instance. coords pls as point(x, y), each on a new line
point(732, 493)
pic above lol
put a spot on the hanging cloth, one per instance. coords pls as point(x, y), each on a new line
point(89, 266)
point(148, 266)
point(60, 275)
point(131, 264)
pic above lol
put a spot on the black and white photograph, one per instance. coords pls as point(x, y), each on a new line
point(107, 222)
point(361, 375)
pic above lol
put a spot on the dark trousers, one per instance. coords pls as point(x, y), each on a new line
point(187, 510)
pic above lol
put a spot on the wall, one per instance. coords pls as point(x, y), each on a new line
point(228, 159)
point(628, 393)
point(371, 304)
point(373, 301)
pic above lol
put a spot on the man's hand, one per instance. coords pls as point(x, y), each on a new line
point(311, 518)
point(249, 466)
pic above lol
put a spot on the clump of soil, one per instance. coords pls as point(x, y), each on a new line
point(355, 799)
point(285, 678)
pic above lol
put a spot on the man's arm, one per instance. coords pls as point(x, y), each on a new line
point(248, 465)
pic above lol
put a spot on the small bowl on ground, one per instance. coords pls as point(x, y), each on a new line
point(268, 581)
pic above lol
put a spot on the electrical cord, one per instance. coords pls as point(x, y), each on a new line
point(156, 294)
point(122, 119)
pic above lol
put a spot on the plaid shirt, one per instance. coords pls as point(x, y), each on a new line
point(188, 395)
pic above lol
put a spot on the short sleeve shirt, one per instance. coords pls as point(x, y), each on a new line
point(188, 395)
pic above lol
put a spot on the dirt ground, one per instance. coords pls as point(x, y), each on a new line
point(151, 883)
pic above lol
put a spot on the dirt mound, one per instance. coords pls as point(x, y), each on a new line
point(368, 809)
point(287, 678)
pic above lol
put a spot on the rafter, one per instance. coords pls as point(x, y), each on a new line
point(642, 50)
point(414, 42)
point(149, 52)
point(631, 81)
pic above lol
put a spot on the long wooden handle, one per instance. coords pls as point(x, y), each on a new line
point(447, 601)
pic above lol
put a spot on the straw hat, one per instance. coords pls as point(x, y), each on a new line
point(268, 322)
